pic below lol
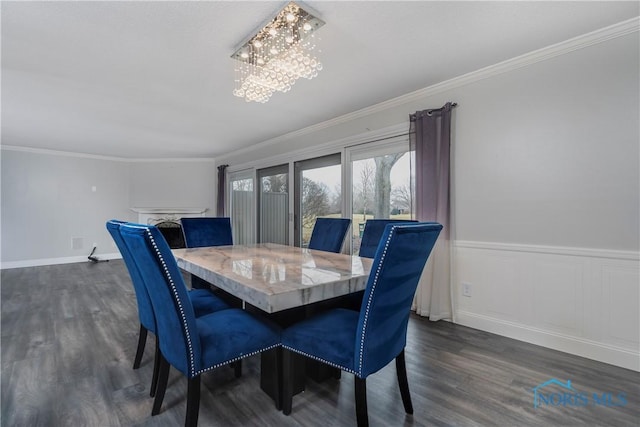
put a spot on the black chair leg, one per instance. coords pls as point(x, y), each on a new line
point(163, 378)
point(279, 381)
point(237, 368)
point(401, 371)
point(287, 382)
point(156, 370)
point(337, 374)
point(142, 339)
point(193, 402)
point(361, 402)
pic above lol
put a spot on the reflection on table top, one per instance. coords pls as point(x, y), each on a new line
point(275, 277)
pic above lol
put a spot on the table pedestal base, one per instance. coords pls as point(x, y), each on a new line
point(270, 371)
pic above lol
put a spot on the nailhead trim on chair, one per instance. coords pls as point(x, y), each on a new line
point(175, 295)
point(357, 372)
point(235, 359)
point(192, 370)
point(373, 288)
point(319, 359)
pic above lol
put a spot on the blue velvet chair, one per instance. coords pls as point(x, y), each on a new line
point(203, 301)
point(205, 231)
point(363, 342)
point(193, 345)
point(371, 236)
point(328, 234)
point(373, 230)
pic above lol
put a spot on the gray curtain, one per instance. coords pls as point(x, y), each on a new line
point(430, 138)
point(222, 187)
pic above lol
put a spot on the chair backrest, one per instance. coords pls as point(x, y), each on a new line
point(206, 231)
point(372, 234)
point(328, 234)
point(175, 319)
point(396, 269)
point(145, 309)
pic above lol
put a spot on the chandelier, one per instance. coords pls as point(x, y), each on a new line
point(277, 55)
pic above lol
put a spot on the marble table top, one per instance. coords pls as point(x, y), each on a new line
point(275, 277)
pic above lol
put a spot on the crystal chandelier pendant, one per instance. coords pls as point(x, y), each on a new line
point(278, 55)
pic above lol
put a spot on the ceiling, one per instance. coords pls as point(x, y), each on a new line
point(155, 79)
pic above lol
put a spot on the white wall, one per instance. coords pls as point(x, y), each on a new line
point(548, 154)
point(542, 153)
point(180, 184)
point(47, 200)
point(546, 191)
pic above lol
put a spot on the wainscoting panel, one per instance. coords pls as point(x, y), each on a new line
point(580, 301)
point(557, 283)
point(620, 296)
point(501, 301)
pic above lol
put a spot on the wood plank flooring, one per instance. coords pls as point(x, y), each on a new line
point(69, 336)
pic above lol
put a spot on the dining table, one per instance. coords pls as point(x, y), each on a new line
point(275, 277)
point(284, 283)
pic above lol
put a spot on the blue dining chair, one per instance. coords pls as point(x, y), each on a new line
point(203, 301)
point(373, 230)
point(205, 231)
point(193, 345)
point(328, 234)
point(371, 236)
point(363, 342)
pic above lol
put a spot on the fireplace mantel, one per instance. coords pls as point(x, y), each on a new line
point(154, 215)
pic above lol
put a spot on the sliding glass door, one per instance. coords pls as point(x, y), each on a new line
point(380, 184)
point(377, 184)
point(318, 193)
point(273, 205)
point(242, 207)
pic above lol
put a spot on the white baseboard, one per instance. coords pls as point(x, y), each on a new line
point(580, 347)
point(54, 261)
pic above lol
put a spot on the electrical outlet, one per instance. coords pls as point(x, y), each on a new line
point(466, 289)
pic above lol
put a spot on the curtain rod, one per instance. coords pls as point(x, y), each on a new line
point(431, 110)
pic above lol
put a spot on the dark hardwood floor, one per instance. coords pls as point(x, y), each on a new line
point(69, 336)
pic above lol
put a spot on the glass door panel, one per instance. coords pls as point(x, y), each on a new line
point(381, 187)
point(273, 201)
point(318, 194)
point(242, 207)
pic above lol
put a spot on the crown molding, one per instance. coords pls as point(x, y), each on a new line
point(99, 157)
point(327, 148)
point(598, 36)
point(60, 153)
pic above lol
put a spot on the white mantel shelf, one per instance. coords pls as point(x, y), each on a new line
point(170, 210)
